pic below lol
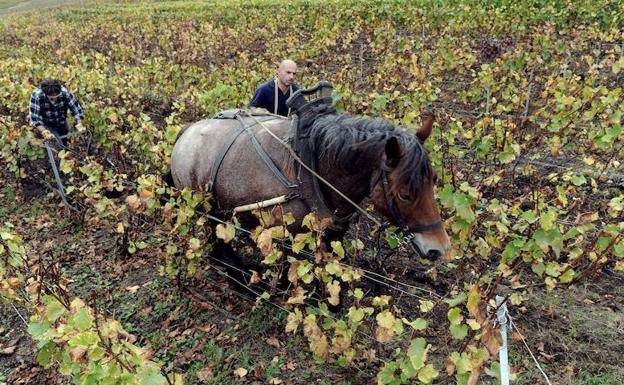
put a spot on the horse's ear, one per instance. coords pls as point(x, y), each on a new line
point(426, 129)
point(393, 152)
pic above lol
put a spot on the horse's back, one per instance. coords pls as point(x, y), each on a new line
point(240, 172)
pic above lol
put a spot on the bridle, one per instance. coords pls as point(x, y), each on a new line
point(392, 207)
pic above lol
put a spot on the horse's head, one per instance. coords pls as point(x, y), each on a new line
point(403, 192)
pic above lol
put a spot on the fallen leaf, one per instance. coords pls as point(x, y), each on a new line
point(240, 372)
point(275, 381)
point(133, 289)
point(255, 278)
point(272, 341)
point(547, 357)
point(9, 350)
point(205, 374)
point(205, 328)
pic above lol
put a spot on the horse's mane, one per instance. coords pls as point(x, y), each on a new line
point(348, 142)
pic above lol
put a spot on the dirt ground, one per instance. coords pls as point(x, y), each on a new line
point(576, 333)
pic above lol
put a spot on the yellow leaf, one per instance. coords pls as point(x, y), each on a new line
point(292, 271)
point(385, 319)
point(293, 321)
point(255, 278)
point(240, 372)
point(383, 335)
point(381, 301)
point(474, 325)
point(265, 242)
point(320, 347)
point(334, 293)
point(298, 296)
point(310, 328)
point(226, 232)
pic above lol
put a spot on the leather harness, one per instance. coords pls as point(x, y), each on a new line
point(306, 113)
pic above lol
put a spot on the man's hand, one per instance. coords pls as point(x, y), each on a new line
point(79, 126)
point(45, 133)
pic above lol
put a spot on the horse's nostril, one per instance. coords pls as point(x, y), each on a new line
point(433, 255)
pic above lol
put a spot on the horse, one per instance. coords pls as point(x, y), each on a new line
point(247, 159)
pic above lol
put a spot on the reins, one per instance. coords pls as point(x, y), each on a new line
point(311, 171)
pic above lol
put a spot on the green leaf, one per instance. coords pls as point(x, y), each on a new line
point(151, 376)
point(428, 374)
point(54, 310)
point(459, 332)
point(553, 269)
point(337, 248)
point(417, 352)
point(81, 319)
point(452, 302)
point(547, 220)
point(426, 306)
point(567, 277)
point(454, 315)
point(578, 180)
point(333, 268)
point(36, 329)
point(386, 374)
point(84, 339)
point(45, 354)
point(417, 324)
point(461, 361)
point(97, 353)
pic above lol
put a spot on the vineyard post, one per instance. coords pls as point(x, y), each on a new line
point(489, 96)
point(525, 114)
point(501, 314)
point(361, 61)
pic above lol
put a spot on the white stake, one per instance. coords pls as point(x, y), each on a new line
point(501, 314)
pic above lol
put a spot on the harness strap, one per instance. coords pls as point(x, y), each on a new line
point(219, 159)
point(266, 158)
point(277, 98)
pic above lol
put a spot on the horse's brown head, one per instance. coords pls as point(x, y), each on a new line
point(403, 192)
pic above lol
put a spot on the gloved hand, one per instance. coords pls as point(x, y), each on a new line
point(47, 135)
point(79, 126)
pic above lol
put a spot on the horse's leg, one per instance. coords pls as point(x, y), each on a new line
point(168, 179)
point(237, 269)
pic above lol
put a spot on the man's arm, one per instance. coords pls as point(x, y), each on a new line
point(74, 106)
point(258, 100)
point(35, 110)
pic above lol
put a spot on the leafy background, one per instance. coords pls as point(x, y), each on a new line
point(528, 145)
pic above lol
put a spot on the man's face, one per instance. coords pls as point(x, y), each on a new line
point(287, 73)
point(53, 98)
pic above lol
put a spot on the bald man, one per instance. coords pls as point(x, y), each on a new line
point(272, 95)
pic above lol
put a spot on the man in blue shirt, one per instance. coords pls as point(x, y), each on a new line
point(272, 95)
point(48, 110)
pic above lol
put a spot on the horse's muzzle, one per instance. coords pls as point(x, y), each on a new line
point(432, 255)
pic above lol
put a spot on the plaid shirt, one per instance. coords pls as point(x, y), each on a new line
point(44, 112)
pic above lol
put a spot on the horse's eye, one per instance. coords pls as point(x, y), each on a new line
point(405, 197)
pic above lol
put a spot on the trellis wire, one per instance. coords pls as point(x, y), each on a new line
point(537, 364)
